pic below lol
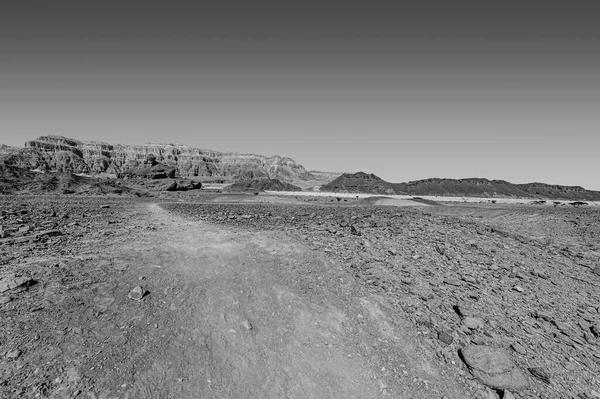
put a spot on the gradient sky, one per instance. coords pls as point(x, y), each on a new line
point(502, 90)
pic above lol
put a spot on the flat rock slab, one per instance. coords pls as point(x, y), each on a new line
point(8, 283)
point(494, 367)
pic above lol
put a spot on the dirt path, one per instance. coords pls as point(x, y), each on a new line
point(235, 314)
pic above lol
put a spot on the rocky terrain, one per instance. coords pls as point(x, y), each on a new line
point(16, 180)
point(62, 154)
point(520, 279)
point(108, 297)
point(474, 187)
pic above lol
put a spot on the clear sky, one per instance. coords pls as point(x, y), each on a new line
point(502, 90)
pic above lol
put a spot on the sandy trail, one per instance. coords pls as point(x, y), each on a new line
point(234, 314)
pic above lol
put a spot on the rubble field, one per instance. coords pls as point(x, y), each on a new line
point(125, 298)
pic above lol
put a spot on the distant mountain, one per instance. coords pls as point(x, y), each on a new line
point(62, 154)
point(470, 187)
point(262, 185)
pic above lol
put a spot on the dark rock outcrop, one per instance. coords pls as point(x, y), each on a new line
point(262, 185)
point(360, 182)
point(16, 180)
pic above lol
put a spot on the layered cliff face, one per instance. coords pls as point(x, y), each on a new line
point(57, 153)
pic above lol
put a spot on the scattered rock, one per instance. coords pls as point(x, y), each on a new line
point(494, 367)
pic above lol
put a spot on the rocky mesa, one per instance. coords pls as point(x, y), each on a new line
point(62, 154)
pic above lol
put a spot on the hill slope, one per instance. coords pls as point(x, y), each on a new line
point(262, 185)
point(15, 180)
point(470, 187)
point(359, 182)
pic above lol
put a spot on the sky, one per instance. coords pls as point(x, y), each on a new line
point(503, 90)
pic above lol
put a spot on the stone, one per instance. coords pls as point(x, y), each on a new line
point(494, 367)
point(9, 283)
point(247, 325)
point(540, 374)
point(508, 395)
point(104, 206)
point(4, 300)
point(540, 273)
point(13, 354)
point(137, 293)
point(473, 323)
point(595, 329)
point(544, 316)
point(517, 347)
point(518, 288)
point(453, 281)
point(464, 310)
point(491, 394)
point(354, 231)
point(445, 337)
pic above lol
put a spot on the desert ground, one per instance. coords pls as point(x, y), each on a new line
point(195, 295)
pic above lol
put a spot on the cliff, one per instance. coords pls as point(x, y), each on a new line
point(62, 154)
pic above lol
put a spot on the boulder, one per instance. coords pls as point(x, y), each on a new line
point(494, 368)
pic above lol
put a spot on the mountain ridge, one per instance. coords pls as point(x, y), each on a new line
point(63, 154)
point(362, 182)
point(59, 154)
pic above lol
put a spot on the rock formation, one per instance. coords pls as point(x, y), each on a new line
point(262, 185)
point(360, 182)
point(61, 154)
point(471, 187)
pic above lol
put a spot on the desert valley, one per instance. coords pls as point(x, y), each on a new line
point(165, 271)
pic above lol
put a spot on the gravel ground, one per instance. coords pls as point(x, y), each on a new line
point(514, 284)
